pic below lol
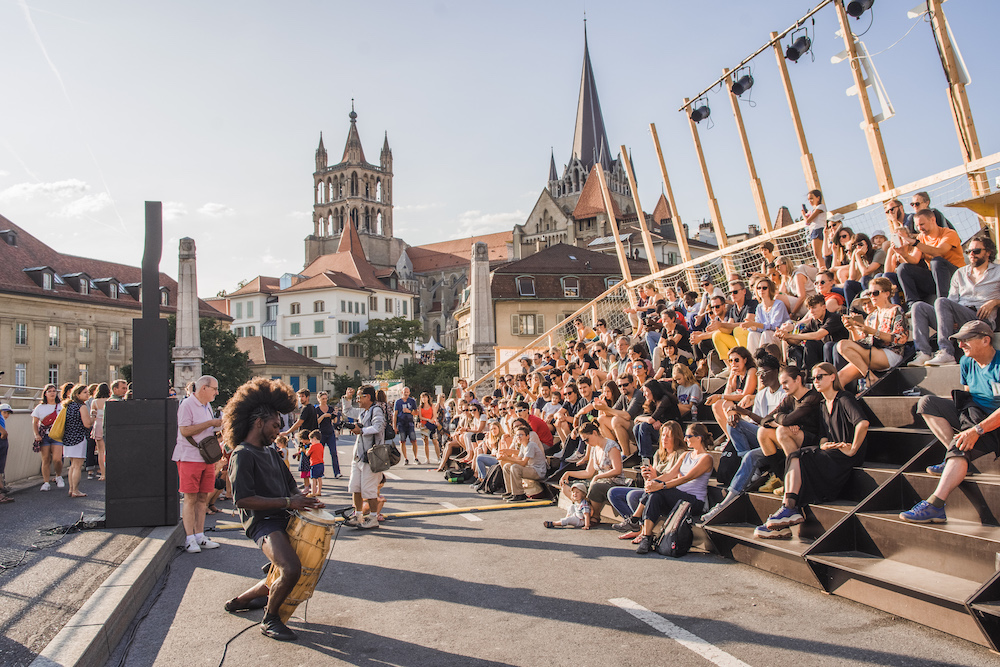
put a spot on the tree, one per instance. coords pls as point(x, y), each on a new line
point(223, 360)
point(386, 339)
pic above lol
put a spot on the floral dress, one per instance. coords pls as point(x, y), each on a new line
point(890, 321)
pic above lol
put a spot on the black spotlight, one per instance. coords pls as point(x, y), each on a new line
point(700, 113)
point(856, 8)
point(798, 48)
point(742, 84)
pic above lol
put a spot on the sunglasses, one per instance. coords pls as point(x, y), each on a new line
point(844, 236)
point(892, 210)
point(975, 251)
point(717, 307)
point(689, 436)
point(876, 292)
point(819, 376)
point(915, 204)
point(734, 292)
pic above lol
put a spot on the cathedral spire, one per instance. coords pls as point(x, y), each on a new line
point(553, 176)
point(589, 134)
point(321, 161)
point(352, 149)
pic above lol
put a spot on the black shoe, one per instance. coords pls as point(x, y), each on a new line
point(628, 525)
point(645, 545)
point(507, 496)
point(272, 627)
point(520, 498)
point(257, 603)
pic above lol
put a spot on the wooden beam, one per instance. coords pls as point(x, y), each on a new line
point(622, 257)
point(808, 164)
point(713, 204)
point(755, 187)
point(647, 240)
point(873, 135)
point(675, 217)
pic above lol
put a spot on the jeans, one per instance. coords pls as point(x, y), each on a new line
point(852, 288)
point(652, 338)
point(330, 440)
point(922, 284)
point(660, 503)
point(945, 316)
point(483, 463)
point(645, 438)
point(743, 435)
point(625, 499)
point(750, 463)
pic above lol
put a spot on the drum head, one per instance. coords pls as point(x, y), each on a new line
point(319, 517)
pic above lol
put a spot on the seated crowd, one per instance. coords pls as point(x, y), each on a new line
point(615, 417)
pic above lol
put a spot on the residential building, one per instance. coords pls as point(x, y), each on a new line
point(273, 360)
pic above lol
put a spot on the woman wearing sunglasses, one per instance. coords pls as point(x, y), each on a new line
point(877, 342)
point(818, 471)
point(741, 386)
point(867, 261)
point(770, 315)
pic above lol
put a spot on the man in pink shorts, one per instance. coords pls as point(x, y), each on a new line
point(196, 419)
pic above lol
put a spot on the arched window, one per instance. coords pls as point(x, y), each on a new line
point(318, 306)
point(295, 308)
point(378, 190)
point(378, 224)
point(367, 190)
point(354, 217)
point(319, 192)
point(437, 332)
point(368, 219)
point(571, 287)
point(354, 184)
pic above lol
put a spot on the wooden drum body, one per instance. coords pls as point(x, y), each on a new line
point(310, 533)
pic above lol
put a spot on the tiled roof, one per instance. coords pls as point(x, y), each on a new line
point(591, 201)
point(326, 280)
point(347, 267)
point(259, 285)
point(33, 253)
point(458, 252)
point(266, 352)
point(563, 258)
point(662, 211)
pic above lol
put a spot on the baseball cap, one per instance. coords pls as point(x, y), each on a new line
point(972, 329)
point(879, 232)
point(5, 407)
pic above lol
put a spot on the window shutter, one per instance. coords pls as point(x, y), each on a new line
point(539, 324)
point(515, 325)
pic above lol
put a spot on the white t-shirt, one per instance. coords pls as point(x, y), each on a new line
point(42, 411)
point(819, 222)
point(767, 400)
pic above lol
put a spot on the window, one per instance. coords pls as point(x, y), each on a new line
point(116, 338)
point(20, 334)
point(362, 307)
point(312, 351)
point(54, 374)
point(47, 281)
point(238, 332)
point(20, 374)
point(345, 327)
point(251, 330)
point(294, 309)
point(164, 297)
point(113, 290)
point(295, 329)
point(85, 338)
point(318, 306)
point(350, 306)
point(272, 311)
point(318, 326)
point(341, 350)
point(388, 306)
point(571, 287)
point(357, 307)
point(84, 286)
point(112, 373)
point(84, 373)
point(239, 310)
point(405, 304)
point(373, 304)
point(53, 336)
point(526, 286)
point(269, 331)
point(527, 325)
point(611, 282)
point(249, 308)
point(343, 306)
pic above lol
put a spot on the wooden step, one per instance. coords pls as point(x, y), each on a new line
point(893, 411)
point(939, 380)
point(976, 499)
point(781, 557)
point(892, 446)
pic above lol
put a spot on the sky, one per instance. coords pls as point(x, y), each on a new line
point(216, 109)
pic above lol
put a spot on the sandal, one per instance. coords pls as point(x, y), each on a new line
point(212, 509)
point(637, 539)
point(380, 517)
point(78, 495)
point(548, 524)
point(257, 603)
point(6, 499)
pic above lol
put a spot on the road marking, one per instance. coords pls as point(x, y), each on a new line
point(686, 639)
point(392, 475)
point(470, 517)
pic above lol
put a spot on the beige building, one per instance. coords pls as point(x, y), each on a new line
point(65, 318)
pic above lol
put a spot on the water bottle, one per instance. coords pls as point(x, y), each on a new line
point(694, 412)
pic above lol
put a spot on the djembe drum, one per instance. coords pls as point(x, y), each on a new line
point(310, 532)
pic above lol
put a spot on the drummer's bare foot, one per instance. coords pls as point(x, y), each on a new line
point(235, 606)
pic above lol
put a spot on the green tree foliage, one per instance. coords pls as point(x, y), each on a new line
point(384, 340)
point(223, 360)
point(423, 377)
point(340, 384)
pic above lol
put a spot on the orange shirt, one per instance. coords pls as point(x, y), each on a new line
point(946, 237)
point(316, 453)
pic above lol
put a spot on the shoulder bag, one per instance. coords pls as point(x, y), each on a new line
point(208, 447)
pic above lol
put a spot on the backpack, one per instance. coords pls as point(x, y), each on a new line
point(389, 433)
point(493, 481)
point(459, 477)
point(677, 536)
point(728, 464)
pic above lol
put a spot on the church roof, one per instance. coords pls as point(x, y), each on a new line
point(347, 267)
point(553, 176)
point(259, 285)
point(591, 201)
point(589, 134)
point(458, 252)
point(662, 212)
point(266, 352)
point(353, 139)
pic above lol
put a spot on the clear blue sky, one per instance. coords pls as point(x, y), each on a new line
point(216, 109)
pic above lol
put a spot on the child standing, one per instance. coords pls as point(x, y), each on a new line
point(316, 450)
point(302, 454)
point(578, 514)
point(281, 444)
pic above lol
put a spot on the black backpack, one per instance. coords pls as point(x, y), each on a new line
point(677, 535)
point(493, 481)
point(389, 431)
point(729, 463)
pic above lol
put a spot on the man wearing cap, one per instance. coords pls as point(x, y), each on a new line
point(929, 260)
point(5, 412)
point(968, 425)
point(974, 294)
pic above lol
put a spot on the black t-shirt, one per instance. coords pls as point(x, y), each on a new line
point(832, 323)
point(309, 420)
point(632, 406)
point(325, 426)
point(838, 426)
point(540, 403)
point(259, 471)
point(738, 315)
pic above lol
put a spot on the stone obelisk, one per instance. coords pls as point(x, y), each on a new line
point(481, 337)
point(187, 352)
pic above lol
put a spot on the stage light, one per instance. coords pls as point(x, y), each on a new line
point(700, 113)
point(799, 47)
point(856, 8)
point(742, 84)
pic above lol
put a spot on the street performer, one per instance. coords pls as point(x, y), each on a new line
point(265, 494)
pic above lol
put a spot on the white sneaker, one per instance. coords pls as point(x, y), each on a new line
point(920, 360)
point(209, 544)
point(942, 358)
point(192, 547)
point(369, 521)
point(45, 487)
point(60, 483)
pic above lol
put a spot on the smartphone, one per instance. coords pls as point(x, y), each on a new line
point(646, 461)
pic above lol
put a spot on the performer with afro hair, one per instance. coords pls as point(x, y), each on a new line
point(265, 493)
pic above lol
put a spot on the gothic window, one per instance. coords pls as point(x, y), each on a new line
point(378, 190)
point(319, 192)
point(354, 184)
point(354, 217)
point(367, 190)
point(378, 224)
point(437, 332)
point(329, 190)
point(368, 219)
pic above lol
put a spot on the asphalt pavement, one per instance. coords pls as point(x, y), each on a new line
point(497, 588)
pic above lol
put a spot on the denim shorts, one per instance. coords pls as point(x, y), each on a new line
point(815, 234)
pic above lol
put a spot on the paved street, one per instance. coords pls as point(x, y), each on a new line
point(502, 590)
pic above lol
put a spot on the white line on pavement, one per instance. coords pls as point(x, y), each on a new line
point(470, 517)
point(686, 639)
point(392, 475)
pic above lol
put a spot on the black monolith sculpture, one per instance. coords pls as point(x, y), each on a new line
point(140, 433)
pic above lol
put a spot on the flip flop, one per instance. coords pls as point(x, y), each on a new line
point(630, 535)
point(6, 499)
point(78, 495)
point(212, 509)
point(637, 539)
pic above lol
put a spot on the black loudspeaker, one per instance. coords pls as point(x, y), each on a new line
point(142, 479)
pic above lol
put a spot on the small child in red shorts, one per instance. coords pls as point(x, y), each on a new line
point(316, 451)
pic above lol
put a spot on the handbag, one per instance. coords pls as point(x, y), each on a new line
point(58, 429)
point(208, 447)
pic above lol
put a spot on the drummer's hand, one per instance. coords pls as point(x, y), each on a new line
point(304, 503)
